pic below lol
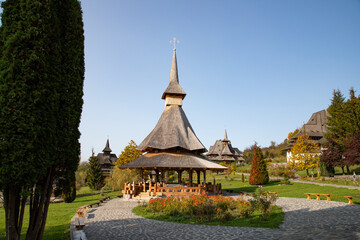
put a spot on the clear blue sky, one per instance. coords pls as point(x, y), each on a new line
point(258, 68)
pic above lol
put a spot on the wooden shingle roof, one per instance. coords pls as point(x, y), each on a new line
point(174, 87)
point(173, 130)
point(172, 161)
point(315, 128)
point(107, 147)
point(222, 150)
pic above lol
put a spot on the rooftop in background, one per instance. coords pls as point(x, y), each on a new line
point(222, 151)
point(107, 159)
point(315, 128)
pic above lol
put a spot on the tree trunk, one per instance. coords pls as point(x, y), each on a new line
point(342, 168)
point(307, 172)
point(348, 169)
point(40, 206)
point(11, 204)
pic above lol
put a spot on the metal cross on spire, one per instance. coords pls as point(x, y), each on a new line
point(174, 41)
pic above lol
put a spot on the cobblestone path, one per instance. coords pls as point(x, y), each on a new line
point(304, 219)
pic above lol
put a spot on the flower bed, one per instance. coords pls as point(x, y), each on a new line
point(201, 207)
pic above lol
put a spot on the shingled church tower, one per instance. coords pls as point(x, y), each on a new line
point(173, 144)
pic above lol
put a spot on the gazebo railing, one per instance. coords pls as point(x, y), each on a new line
point(162, 189)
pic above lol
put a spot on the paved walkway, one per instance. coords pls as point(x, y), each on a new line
point(304, 219)
point(327, 184)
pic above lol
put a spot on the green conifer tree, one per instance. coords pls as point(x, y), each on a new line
point(94, 178)
point(41, 70)
point(259, 174)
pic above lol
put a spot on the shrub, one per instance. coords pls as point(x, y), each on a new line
point(285, 181)
point(201, 207)
point(263, 202)
point(118, 178)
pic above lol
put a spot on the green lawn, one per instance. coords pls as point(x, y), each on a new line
point(84, 190)
point(59, 216)
point(273, 221)
point(338, 171)
point(296, 190)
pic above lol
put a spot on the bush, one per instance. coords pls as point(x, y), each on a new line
point(118, 178)
point(202, 207)
point(327, 171)
point(285, 181)
point(263, 202)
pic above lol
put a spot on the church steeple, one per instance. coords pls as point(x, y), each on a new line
point(225, 137)
point(174, 94)
point(107, 148)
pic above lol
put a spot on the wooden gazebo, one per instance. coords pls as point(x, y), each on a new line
point(172, 145)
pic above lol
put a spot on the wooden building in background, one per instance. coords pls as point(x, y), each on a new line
point(107, 160)
point(223, 151)
point(315, 128)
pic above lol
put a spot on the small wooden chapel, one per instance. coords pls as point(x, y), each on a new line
point(172, 145)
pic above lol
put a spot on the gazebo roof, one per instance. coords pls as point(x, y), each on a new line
point(173, 130)
point(172, 161)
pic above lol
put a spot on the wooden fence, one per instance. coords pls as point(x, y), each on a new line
point(162, 189)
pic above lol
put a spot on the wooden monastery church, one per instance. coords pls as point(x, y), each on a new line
point(173, 145)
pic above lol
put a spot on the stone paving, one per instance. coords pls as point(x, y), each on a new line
point(304, 219)
point(327, 184)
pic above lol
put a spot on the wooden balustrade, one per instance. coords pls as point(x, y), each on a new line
point(164, 190)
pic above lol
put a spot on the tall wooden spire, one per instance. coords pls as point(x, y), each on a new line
point(174, 94)
point(107, 148)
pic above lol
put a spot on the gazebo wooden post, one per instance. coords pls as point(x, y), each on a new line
point(204, 176)
point(190, 176)
point(157, 175)
point(162, 178)
point(214, 186)
point(179, 175)
point(198, 176)
point(142, 175)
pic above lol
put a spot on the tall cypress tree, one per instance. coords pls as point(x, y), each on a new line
point(94, 178)
point(37, 45)
point(259, 174)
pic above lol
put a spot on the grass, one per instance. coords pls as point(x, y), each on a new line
point(84, 190)
point(338, 171)
point(295, 190)
point(273, 221)
point(59, 217)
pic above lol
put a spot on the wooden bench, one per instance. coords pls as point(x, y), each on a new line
point(269, 193)
point(95, 203)
point(318, 196)
point(79, 223)
point(81, 210)
point(350, 198)
point(104, 199)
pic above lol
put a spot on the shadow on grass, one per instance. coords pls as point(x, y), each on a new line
point(59, 232)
